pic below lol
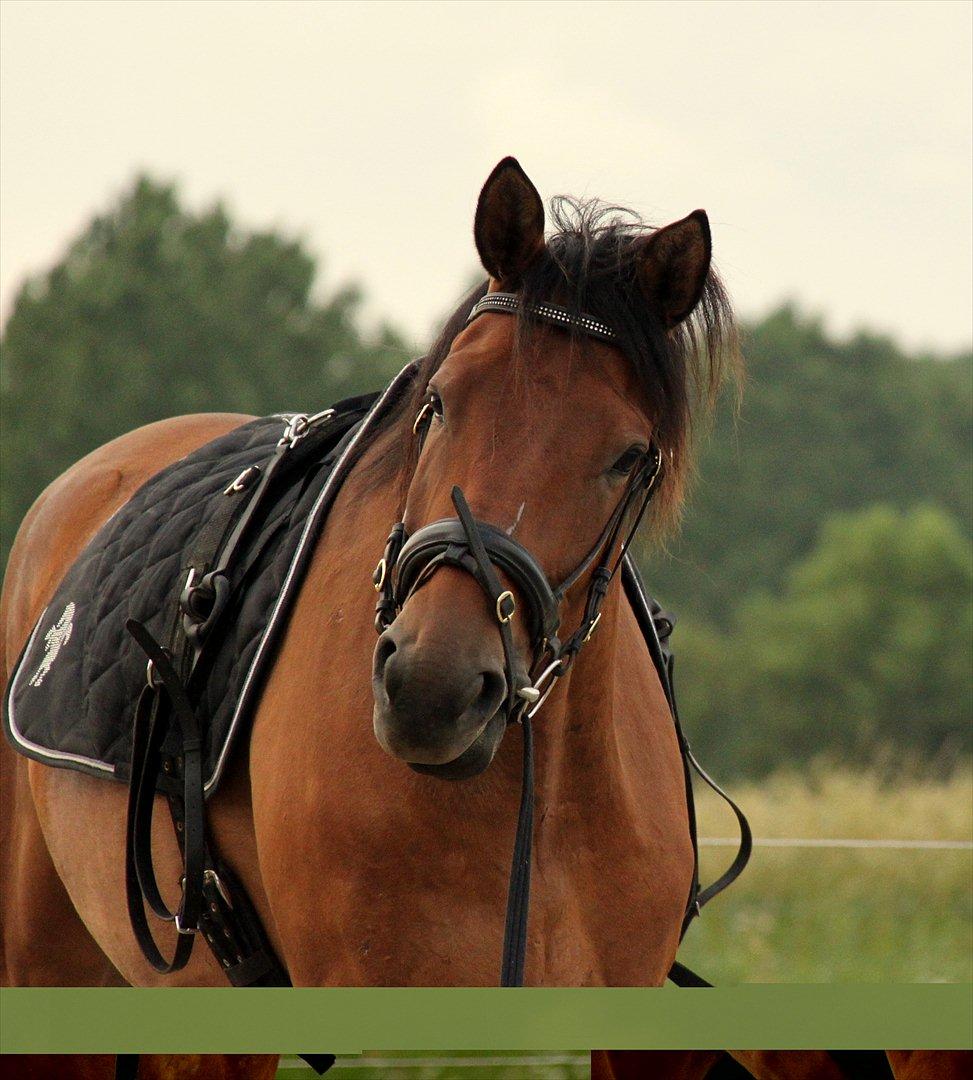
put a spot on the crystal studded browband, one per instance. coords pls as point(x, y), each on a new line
point(552, 313)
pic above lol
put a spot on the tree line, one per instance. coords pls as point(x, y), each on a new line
point(823, 577)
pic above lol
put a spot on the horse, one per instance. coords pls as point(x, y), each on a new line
point(780, 1065)
point(369, 817)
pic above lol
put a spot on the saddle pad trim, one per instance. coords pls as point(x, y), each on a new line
point(32, 749)
point(292, 582)
point(328, 491)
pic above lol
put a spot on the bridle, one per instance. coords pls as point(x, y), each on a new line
point(481, 550)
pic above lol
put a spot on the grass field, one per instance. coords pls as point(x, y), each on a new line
point(818, 915)
point(449, 1066)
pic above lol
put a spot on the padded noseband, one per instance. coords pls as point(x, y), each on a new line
point(445, 543)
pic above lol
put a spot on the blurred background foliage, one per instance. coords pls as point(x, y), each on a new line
point(824, 573)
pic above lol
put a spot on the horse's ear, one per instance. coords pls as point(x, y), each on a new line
point(509, 223)
point(674, 264)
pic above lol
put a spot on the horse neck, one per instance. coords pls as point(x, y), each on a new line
point(577, 738)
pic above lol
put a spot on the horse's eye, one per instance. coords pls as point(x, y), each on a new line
point(632, 457)
point(436, 404)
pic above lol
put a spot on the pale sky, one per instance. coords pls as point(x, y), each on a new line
point(829, 142)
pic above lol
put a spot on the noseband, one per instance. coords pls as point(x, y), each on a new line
point(481, 550)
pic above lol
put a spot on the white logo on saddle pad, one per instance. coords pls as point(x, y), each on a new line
point(56, 638)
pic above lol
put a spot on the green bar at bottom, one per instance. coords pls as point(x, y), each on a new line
point(348, 1020)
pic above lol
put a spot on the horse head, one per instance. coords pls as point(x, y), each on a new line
point(556, 403)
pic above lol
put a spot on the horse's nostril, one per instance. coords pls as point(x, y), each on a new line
point(383, 653)
point(492, 692)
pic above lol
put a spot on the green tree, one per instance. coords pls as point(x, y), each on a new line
point(868, 646)
point(826, 427)
point(156, 311)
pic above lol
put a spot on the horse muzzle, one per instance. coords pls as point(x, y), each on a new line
point(438, 705)
point(442, 701)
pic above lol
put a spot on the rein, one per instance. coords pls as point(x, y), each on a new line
point(480, 549)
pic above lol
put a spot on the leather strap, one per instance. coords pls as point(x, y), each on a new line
point(518, 891)
point(432, 541)
point(213, 902)
point(157, 703)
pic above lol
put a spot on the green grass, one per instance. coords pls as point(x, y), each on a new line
point(799, 915)
point(459, 1065)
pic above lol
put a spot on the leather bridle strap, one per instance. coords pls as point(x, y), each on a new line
point(735, 869)
point(504, 605)
point(513, 304)
point(518, 890)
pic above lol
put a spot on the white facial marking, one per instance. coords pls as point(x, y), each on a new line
point(520, 514)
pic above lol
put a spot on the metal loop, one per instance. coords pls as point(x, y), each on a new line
point(295, 430)
point(150, 676)
point(378, 577)
point(591, 629)
point(506, 596)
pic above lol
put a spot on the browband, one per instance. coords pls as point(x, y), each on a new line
point(511, 303)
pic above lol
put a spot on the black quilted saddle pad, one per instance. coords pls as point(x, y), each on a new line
point(71, 699)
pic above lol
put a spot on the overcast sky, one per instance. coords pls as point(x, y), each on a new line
point(830, 142)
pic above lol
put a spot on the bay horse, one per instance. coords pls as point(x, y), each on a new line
point(364, 864)
point(780, 1065)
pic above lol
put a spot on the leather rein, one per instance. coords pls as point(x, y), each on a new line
point(481, 549)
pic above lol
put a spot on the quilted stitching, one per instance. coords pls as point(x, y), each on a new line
point(133, 567)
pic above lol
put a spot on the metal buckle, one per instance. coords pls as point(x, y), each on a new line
point(298, 426)
point(506, 596)
point(177, 918)
point(295, 430)
point(211, 877)
point(378, 577)
point(186, 931)
point(150, 676)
